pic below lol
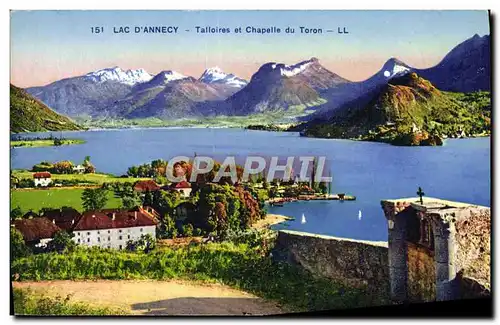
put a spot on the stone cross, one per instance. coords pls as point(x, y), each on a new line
point(420, 193)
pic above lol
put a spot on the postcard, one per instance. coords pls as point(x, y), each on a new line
point(245, 163)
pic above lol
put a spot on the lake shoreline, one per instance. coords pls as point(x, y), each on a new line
point(271, 219)
point(28, 143)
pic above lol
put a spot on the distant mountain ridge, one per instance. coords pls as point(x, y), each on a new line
point(117, 93)
point(304, 91)
point(466, 68)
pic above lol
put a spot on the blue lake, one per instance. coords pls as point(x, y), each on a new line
point(459, 170)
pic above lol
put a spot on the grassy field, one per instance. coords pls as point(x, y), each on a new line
point(96, 178)
point(54, 198)
point(43, 143)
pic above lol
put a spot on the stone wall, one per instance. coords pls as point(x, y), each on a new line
point(473, 251)
point(421, 274)
point(347, 261)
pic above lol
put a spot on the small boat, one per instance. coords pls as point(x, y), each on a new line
point(359, 215)
point(303, 219)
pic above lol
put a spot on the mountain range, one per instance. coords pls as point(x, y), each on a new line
point(408, 110)
point(305, 90)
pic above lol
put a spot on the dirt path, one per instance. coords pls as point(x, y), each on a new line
point(159, 297)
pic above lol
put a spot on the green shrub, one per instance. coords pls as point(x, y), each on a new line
point(187, 230)
point(27, 302)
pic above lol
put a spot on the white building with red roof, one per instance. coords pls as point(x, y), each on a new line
point(182, 187)
point(112, 228)
point(42, 179)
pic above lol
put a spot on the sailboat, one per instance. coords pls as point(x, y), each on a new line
point(359, 215)
point(303, 219)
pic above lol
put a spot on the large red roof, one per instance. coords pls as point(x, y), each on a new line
point(36, 228)
point(147, 185)
point(41, 175)
point(103, 219)
point(182, 184)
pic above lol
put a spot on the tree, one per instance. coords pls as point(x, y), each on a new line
point(18, 247)
point(159, 167)
point(265, 184)
point(221, 224)
point(323, 187)
point(145, 243)
point(16, 213)
point(63, 167)
point(133, 171)
point(57, 142)
point(165, 201)
point(273, 192)
point(14, 181)
point(61, 242)
point(94, 198)
point(89, 167)
point(44, 166)
point(130, 200)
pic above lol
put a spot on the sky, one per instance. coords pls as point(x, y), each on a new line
point(50, 45)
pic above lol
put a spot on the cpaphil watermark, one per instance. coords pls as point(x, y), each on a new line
point(298, 169)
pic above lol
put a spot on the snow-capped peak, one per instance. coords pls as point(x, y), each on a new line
point(212, 74)
point(292, 70)
point(129, 77)
point(216, 75)
point(393, 67)
point(171, 75)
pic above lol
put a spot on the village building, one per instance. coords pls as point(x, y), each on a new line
point(65, 218)
point(146, 186)
point(36, 232)
point(113, 228)
point(182, 187)
point(151, 212)
point(438, 249)
point(79, 169)
point(42, 179)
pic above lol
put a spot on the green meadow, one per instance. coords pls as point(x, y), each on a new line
point(35, 200)
point(92, 178)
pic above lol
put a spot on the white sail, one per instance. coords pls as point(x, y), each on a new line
point(359, 215)
point(303, 218)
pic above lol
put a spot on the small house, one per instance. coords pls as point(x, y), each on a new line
point(182, 187)
point(42, 179)
point(79, 169)
point(36, 232)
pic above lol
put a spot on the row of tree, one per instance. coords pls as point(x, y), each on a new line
point(63, 167)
